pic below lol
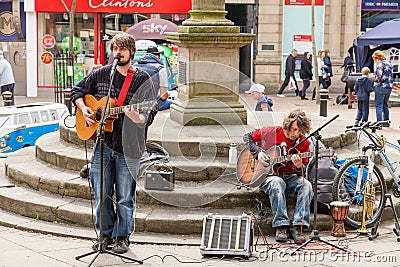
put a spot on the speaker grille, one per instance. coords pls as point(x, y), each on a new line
point(227, 235)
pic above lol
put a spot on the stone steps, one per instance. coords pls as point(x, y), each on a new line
point(42, 176)
point(40, 205)
point(51, 149)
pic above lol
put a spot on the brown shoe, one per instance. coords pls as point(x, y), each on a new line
point(281, 234)
point(295, 233)
point(107, 242)
point(121, 246)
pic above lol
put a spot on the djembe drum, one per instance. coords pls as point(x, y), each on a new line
point(339, 210)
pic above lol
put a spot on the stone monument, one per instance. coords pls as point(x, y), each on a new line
point(208, 67)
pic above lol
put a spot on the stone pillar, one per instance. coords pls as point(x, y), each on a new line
point(208, 67)
point(350, 23)
point(335, 27)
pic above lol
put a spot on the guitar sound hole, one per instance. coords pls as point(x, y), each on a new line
point(98, 114)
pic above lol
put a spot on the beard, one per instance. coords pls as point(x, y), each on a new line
point(123, 62)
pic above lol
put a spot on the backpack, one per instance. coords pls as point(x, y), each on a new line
point(326, 175)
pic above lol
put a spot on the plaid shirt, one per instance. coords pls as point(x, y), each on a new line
point(127, 137)
point(384, 74)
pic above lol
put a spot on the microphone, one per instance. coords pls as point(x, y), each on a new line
point(114, 65)
point(284, 149)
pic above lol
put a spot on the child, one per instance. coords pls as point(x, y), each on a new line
point(363, 88)
point(264, 103)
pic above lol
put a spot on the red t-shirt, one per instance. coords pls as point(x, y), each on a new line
point(269, 136)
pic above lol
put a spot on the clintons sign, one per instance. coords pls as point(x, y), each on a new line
point(116, 6)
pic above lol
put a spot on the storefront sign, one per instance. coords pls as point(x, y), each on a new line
point(7, 24)
point(48, 41)
point(381, 5)
point(116, 6)
point(46, 57)
point(303, 2)
point(302, 43)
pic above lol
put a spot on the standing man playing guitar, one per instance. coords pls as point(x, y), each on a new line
point(124, 145)
point(288, 176)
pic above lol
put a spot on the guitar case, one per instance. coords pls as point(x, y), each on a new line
point(326, 175)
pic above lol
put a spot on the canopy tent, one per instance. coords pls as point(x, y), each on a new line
point(385, 35)
point(152, 29)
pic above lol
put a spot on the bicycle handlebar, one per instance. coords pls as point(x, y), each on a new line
point(371, 125)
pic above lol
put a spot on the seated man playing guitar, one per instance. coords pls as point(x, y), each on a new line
point(287, 174)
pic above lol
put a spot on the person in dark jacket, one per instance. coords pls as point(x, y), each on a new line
point(289, 72)
point(363, 89)
point(305, 74)
point(348, 65)
point(151, 63)
point(264, 103)
point(328, 68)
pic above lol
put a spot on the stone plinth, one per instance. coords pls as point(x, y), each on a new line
point(208, 67)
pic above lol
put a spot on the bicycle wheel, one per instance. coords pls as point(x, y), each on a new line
point(343, 190)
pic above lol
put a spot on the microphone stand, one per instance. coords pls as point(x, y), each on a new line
point(315, 233)
point(100, 140)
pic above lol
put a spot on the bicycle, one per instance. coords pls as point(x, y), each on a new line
point(348, 184)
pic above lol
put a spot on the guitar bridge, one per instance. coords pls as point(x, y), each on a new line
point(252, 163)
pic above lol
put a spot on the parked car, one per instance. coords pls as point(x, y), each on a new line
point(22, 125)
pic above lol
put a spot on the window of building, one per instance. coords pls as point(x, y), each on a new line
point(394, 58)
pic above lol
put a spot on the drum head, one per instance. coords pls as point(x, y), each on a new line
point(339, 204)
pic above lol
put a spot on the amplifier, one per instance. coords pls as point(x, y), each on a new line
point(159, 180)
point(227, 235)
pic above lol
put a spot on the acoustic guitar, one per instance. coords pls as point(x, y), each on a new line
point(86, 132)
point(251, 173)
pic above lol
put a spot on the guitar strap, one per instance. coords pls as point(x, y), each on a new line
point(125, 86)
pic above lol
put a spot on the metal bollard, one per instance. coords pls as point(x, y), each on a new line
point(67, 99)
point(323, 106)
point(7, 98)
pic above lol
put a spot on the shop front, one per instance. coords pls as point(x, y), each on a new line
point(95, 22)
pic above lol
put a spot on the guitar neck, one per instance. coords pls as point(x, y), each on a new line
point(119, 110)
point(289, 157)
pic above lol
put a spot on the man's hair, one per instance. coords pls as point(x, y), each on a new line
point(365, 71)
point(294, 50)
point(378, 54)
point(126, 40)
point(303, 121)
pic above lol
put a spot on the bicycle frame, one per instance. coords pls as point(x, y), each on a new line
point(377, 146)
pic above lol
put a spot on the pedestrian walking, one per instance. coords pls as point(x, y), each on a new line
point(264, 103)
point(320, 66)
point(289, 73)
point(328, 68)
point(382, 86)
point(7, 81)
point(305, 74)
point(363, 88)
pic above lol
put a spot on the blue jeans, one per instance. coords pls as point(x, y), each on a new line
point(164, 104)
point(363, 111)
point(120, 175)
point(289, 184)
point(382, 104)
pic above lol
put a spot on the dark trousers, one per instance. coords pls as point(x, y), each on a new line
point(363, 111)
point(382, 105)
point(306, 84)
point(286, 82)
point(321, 82)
